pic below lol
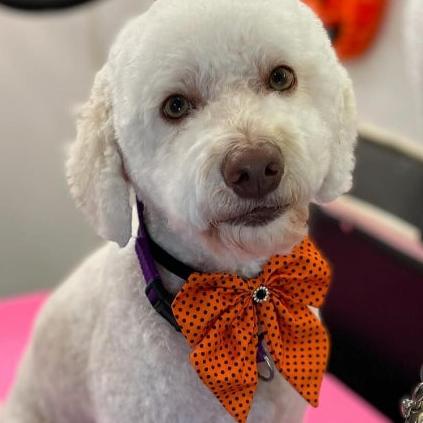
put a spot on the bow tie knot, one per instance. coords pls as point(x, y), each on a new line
point(221, 315)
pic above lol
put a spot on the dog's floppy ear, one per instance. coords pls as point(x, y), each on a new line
point(95, 170)
point(338, 179)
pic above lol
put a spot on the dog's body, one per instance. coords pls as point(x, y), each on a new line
point(100, 353)
point(118, 360)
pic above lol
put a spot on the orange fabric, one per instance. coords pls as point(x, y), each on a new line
point(221, 320)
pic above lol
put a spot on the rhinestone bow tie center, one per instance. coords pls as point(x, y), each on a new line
point(261, 294)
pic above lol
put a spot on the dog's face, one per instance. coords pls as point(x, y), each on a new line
point(227, 118)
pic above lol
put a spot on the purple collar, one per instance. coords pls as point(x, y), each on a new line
point(148, 252)
point(156, 293)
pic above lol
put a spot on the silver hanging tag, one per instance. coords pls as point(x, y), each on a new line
point(412, 407)
point(270, 373)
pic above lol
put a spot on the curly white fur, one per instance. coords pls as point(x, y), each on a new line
point(100, 353)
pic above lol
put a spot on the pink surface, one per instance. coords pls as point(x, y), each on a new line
point(337, 403)
point(16, 317)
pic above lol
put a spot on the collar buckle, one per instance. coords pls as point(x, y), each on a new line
point(161, 300)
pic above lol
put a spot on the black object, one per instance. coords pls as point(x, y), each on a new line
point(163, 302)
point(374, 309)
point(161, 299)
point(169, 262)
point(390, 180)
point(42, 5)
point(374, 314)
point(334, 32)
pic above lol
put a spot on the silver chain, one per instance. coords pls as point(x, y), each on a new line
point(412, 407)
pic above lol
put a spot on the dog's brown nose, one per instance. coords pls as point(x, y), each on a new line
point(252, 172)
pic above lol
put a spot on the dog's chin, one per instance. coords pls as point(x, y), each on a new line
point(261, 233)
point(257, 217)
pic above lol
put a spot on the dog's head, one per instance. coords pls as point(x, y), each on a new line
point(226, 117)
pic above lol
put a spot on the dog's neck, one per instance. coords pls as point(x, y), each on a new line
point(186, 248)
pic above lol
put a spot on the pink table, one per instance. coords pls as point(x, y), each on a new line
point(337, 404)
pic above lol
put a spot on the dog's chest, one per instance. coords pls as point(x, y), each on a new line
point(142, 372)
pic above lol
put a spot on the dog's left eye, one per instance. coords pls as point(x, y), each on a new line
point(282, 79)
point(176, 107)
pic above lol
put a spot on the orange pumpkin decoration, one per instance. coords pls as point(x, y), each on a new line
point(352, 24)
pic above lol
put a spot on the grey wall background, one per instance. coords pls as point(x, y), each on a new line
point(47, 63)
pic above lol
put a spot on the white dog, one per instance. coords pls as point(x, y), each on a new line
point(226, 118)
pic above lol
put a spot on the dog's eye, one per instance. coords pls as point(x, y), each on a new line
point(282, 79)
point(176, 107)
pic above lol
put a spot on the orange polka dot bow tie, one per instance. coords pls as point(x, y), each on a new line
point(222, 315)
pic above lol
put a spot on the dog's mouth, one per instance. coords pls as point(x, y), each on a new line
point(258, 216)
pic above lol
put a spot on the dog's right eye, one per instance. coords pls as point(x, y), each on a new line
point(176, 107)
point(282, 79)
